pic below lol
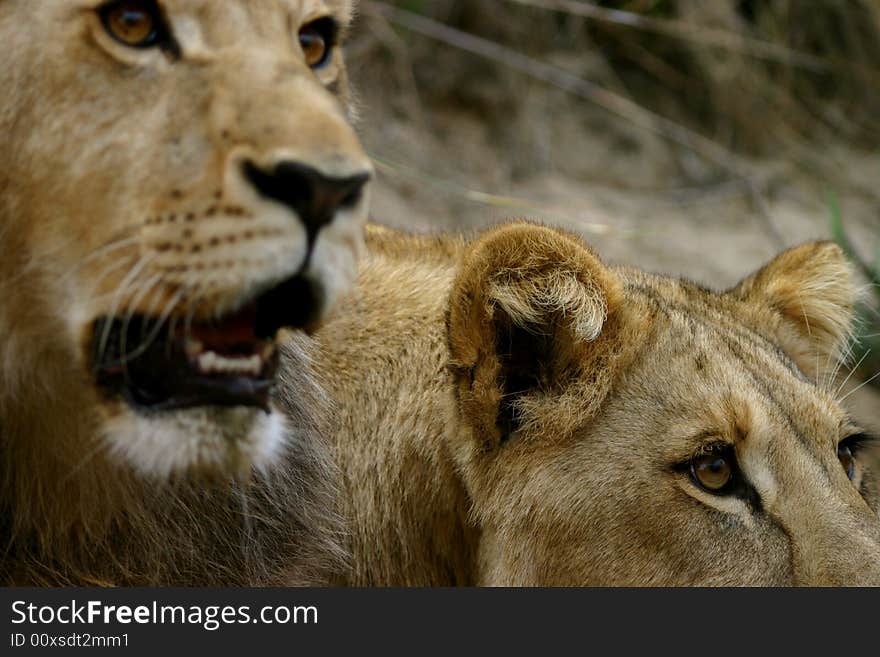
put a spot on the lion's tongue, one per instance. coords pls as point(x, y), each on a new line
point(232, 334)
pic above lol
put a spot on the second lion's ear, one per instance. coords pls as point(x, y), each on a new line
point(805, 298)
point(531, 324)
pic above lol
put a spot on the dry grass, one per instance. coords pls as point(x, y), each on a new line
point(752, 75)
point(671, 103)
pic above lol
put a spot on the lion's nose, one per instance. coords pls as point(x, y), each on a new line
point(315, 197)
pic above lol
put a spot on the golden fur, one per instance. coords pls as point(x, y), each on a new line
point(514, 412)
point(121, 192)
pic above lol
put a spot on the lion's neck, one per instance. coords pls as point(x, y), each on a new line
point(386, 370)
point(55, 482)
point(85, 519)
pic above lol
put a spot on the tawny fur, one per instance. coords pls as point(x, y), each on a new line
point(121, 191)
point(512, 411)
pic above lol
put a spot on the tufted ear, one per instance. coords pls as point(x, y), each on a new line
point(807, 297)
point(530, 324)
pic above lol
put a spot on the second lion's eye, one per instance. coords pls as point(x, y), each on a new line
point(713, 472)
point(714, 469)
point(134, 23)
point(847, 460)
point(848, 451)
point(317, 40)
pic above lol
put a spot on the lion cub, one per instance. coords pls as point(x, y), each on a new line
point(515, 412)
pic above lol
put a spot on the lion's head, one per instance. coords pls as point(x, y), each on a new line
point(179, 181)
point(625, 428)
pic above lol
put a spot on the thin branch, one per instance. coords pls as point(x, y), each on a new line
point(485, 198)
point(562, 79)
point(701, 34)
point(591, 92)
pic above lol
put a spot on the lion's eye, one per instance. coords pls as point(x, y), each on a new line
point(134, 23)
point(316, 40)
point(847, 460)
point(848, 451)
point(712, 472)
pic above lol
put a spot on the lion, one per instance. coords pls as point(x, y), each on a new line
point(512, 411)
point(180, 181)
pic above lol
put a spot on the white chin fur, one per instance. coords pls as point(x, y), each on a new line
point(208, 439)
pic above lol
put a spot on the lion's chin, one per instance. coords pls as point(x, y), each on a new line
point(210, 440)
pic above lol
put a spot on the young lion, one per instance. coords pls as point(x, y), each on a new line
point(170, 170)
point(515, 412)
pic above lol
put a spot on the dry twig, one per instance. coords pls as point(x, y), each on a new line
point(701, 34)
point(589, 91)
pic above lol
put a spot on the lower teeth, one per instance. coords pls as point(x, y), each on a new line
point(213, 363)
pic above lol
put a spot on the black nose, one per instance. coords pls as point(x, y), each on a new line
point(316, 198)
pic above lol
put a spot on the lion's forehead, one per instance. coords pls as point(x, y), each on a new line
point(341, 8)
point(704, 362)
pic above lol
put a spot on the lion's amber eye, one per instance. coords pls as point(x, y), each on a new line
point(713, 472)
point(316, 41)
point(135, 23)
point(847, 460)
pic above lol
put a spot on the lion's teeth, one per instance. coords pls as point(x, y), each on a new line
point(206, 361)
point(211, 363)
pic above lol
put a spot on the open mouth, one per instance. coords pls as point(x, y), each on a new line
point(175, 364)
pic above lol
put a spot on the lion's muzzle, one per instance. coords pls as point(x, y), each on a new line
point(167, 364)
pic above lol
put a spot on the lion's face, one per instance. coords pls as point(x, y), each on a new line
point(179, 182)
point(714, 462)
point(630, 429)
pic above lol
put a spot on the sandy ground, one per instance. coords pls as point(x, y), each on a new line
point(450, 170)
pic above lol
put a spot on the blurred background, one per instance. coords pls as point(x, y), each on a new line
point(683, 136)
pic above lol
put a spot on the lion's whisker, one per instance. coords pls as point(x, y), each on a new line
point(120, 293)
point(100, 445)
point(851, 372)
point(148, 286)
point(110, 247)
point(860, 386)
point(840, 361)
point(157, 327)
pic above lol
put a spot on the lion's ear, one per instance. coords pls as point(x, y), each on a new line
point(807, 296)
point(528, 325)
